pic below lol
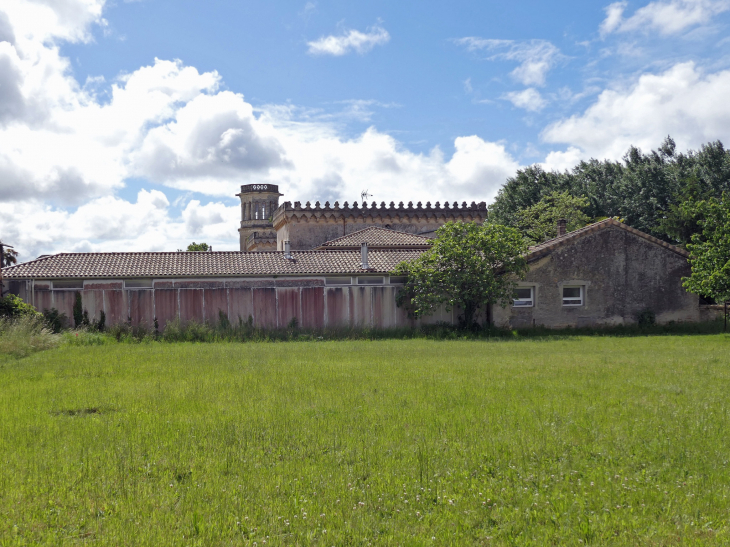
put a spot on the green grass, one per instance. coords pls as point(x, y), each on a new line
point(572, 441)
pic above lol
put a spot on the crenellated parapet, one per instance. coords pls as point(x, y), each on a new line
point(310, 225)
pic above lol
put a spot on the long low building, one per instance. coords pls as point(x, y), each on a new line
point(604, 274)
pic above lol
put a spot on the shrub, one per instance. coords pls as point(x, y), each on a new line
point(55, 320)
point(78, 311)
point(646, 318)
point(13, 306)
point(20, 336)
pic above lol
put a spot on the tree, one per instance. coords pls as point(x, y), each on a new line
point(10, 257)
point(710, 252)
point(468, 266)
point(539, 222)
point(198, 247)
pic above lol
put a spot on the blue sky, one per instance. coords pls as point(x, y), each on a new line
point(130, 125)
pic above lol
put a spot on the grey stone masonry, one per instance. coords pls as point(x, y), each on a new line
point(310, 225)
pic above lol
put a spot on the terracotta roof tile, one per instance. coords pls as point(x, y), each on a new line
point(204, 264)
point(375, 236)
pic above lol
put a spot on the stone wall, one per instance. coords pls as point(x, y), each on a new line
point(309, 226)
point(622, 275)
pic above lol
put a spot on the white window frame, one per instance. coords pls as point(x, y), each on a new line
point(573, 304)
point(531, 300)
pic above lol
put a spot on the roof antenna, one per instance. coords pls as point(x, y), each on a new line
point(364, 196)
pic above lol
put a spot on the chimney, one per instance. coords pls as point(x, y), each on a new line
point(287, 250)
point(562, 227)
point(364, 256)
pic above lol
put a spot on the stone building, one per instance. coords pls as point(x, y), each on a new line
point(606, 273)
point(332, 269)
point(265, 225)
point(258, 203)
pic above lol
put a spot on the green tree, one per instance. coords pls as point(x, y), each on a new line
point(198, 247)
point(468, 266)
point(13, 306)
point(710, 252)
point(10, 257)
point(539, 222)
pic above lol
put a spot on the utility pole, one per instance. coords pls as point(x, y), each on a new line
point(2, 263)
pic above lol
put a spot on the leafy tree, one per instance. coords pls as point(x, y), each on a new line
point(710, 252)
point(468, 266)
point(10, 257)
point(14, 306)
point(538, 223)
point(198, 247)
point(682, 219)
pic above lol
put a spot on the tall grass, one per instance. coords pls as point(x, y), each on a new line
point(571, 441)
point(20, 336)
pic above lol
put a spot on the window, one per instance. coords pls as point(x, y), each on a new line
point(137, 283)
point(370, 280)
point(399, 280)
point(573, 296)
point(524, 297)
point(338, 281)
point(69, 284)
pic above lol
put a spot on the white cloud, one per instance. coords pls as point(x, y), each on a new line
point(666, 17)
point(65, 145)
point(683, 102)
point(530, 99)
point(536, 57)
point(563, 160)
point(348, 41)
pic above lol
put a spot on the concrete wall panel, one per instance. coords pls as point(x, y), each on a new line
point(115, 307)
point(63, 301)
point(166, 308)
point(215, 300)
point(191, 305)
point(338, 307)
point(384, 308)
point(43, 300)
point(240, 305)
point(92, 302)
point(313, 308)
point(264, 308)
point(288, 306)
point(361, 307)
point(141, 307)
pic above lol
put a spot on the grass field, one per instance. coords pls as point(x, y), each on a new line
point(606, 441)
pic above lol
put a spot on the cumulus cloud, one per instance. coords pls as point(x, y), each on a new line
point(535, 57)
point(348, 41)
point(530, 99)
point(665, 17)
point(67, 149)
point(683, 102)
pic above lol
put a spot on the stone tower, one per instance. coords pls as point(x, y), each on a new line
point(258, 203)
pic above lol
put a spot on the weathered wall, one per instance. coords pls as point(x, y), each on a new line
point(623, 275)
point(271, 303)
point(310, 226)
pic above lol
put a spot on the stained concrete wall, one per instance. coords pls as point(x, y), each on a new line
point(623, 274)
point(271, 303)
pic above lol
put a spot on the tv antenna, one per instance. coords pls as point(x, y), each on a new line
point(364, 195)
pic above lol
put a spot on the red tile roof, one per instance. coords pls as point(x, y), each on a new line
point(378, 237)
point(205, 264)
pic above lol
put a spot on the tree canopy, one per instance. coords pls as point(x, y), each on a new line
point(198, 247)
point(539, 222)
point(469, 266)
point(710, 251)
point(646, 190)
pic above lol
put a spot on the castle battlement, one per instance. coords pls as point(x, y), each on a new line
point(309, 226)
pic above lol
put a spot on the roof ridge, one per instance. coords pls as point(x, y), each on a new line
point(538, 250)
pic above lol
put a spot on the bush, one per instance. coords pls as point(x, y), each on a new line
point(646, 318)
point(55, 320)
point(13, 306)
point(20, 336)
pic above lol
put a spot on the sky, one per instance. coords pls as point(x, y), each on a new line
point(131, 125)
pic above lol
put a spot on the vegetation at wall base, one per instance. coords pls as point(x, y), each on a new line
point(575, 441)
